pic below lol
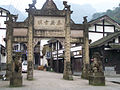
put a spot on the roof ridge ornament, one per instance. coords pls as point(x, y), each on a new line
point(49, 5)
point(32, 6)
point(85, 19)
point(66, 6)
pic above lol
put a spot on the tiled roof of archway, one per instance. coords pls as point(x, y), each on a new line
point(49, 5)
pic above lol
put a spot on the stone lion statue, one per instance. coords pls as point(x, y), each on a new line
point(96, 65)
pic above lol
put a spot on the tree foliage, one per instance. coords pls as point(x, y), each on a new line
point(114, 14)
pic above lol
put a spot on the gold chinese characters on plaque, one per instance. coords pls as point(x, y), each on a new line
point(49, 23)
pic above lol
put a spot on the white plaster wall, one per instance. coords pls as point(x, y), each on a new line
point(116, 40)
point(100, 22)
point(2, 36)
point(2, 20)
point(60, 51)
point(76, 48)
point(95, 36)
point(2, 31)
point(109, 29)
point(105, 34)
point(92, 28)
point(107, 23)
point(117, 29)
point(3, 59)
point(44, 61)
point(4, 13)
point(99, 28)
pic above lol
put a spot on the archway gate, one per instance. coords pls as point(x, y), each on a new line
point(49, 22)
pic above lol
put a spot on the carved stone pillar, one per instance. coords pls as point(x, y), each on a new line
point(85, 46)
point(16, 78)
point(9, 38)
point(30, 48)
point(67, 62)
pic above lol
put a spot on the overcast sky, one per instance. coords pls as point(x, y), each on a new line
point(99, 5)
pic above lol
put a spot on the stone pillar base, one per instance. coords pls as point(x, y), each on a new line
point(8, 75)
point(29, 77)
point(97, 80)
point(30, 71)
point(85, 75)
point(8, 72)
point(67, 75)
point(85, 72)
point(16, 80)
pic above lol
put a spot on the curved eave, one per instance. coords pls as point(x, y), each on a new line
point(49, 13)
point(104, 40)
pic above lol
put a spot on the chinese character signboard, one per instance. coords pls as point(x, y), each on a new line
point(49, 23)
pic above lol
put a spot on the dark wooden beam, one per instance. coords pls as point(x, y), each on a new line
point(104, 25)
point(100, 32)
point(2, 28)
point(51, 59)
point(3, 16)
point(114, 28)
point(57, 58)
point(95, 28)
point(103, 28)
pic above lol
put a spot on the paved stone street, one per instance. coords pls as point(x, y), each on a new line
point(52, 81)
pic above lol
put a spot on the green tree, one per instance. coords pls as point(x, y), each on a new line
point(114, 14)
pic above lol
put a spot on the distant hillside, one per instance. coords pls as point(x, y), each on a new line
point(79, 11)
point(13, 10)
point(114, 14)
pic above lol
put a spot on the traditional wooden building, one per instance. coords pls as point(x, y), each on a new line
point(102, 27)
point(109, 48)
point(3, 18)
point(105, 38)
point(2, 57)
point(56, 54)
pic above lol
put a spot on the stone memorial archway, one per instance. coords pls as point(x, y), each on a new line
point(48, 22)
